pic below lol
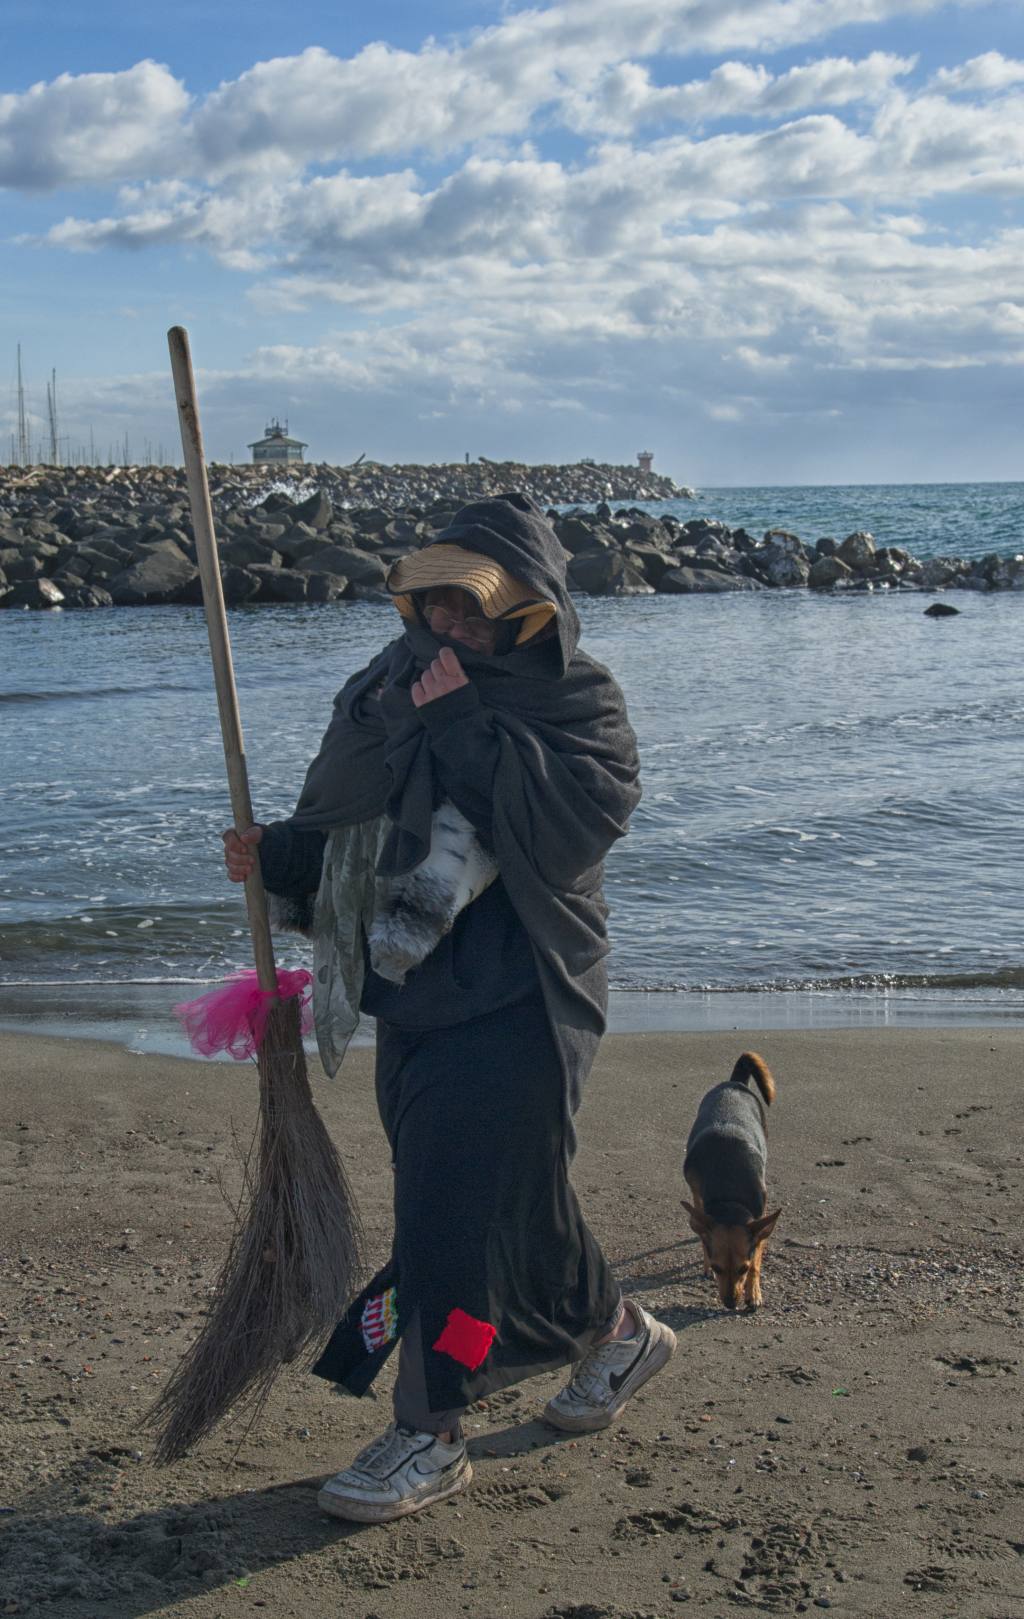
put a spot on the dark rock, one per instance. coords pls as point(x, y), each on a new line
point(104, 543)
point(246, 549)
point(606, 573)
point(781, 560)
point(939, 571)
point(239, 585)
point(358, 566)
point(296, 541)
point(858, 551)
point(325, 587)
point(280, 584)
point(941, 610)
point(650, 560)
point(97, 565)
point(699, 528)
point(276, 501)
point(582, 533)
point(271, 531)
point(644, 527)
point(825, 548)
point(688, 581)
point(827, 572)
point(742, 541)
point(159, 576)
point(42, 550)
point(372, 519)
point(70, 577)
point(783, 538)
point(317, 511)
point(33, 593)
point(19, 567)
point(86, 596)
point(1001, 573)
point(399, 531)
point(366, 593)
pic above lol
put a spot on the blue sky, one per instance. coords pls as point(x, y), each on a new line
point(771, 240)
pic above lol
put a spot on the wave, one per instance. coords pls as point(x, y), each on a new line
point(1000, 978)
point(101, 983)
point(86, 693)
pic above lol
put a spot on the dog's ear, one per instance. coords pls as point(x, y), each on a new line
point(761, 1230)
point(698, 1222)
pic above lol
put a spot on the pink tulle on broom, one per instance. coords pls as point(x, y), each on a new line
point(233, 1017)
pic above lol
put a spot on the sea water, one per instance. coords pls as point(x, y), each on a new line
point(830, 830)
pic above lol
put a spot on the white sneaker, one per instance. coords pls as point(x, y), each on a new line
point(610, 1374)
point(400, 1472)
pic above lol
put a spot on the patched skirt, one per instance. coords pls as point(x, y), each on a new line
point(491, 1251)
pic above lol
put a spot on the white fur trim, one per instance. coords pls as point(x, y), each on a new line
point(413, 913)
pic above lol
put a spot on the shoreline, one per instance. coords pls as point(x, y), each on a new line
point(851, 1445)
point(139, 1016)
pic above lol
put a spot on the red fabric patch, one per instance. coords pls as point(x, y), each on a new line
point(465, 1339)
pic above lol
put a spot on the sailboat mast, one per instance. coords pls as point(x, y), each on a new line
point(22, 420)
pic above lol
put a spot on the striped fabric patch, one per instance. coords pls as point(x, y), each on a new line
point(379, 1320)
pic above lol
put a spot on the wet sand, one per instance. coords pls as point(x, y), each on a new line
point(856, 1444)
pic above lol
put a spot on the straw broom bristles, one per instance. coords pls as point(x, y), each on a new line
point(294, 1261)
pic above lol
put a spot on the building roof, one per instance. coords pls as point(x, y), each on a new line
point(276, 434)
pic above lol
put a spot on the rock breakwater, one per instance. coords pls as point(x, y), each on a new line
point(86, 537)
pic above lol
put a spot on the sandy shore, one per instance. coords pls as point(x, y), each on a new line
point(856, 1444)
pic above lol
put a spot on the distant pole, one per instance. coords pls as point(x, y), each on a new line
point(23, 446)
point(51, 411)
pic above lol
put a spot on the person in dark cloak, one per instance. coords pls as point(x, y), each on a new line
point(486, 702)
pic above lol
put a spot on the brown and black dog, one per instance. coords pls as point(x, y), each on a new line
point(726, 1157)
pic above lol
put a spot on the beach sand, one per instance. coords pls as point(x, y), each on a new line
point(856, 1444)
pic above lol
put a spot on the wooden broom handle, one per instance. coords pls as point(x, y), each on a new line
point(220, 645)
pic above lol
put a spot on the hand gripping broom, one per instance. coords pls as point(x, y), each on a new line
point(296, 1251)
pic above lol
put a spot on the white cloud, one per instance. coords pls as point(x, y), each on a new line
point(992, 71)
point(625, 98)
point(92, 128)
point(776, 242)
point(314, 107)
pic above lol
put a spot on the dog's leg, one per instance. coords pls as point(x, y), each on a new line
point(752, 1287)
point(698, 1209)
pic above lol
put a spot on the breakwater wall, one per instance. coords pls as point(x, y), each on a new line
point(89, 537)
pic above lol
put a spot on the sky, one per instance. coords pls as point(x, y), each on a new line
point(772, 241)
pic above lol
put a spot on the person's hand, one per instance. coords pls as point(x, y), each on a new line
point(239, 856)
point(444, 675)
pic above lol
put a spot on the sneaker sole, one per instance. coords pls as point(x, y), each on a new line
point(354, 1511)
point(662, 1351)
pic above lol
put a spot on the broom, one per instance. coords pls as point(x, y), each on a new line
point(296, 1252)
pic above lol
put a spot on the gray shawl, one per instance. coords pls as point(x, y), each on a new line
point(537, 752)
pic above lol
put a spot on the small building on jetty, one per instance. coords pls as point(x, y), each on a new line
point(276, 447)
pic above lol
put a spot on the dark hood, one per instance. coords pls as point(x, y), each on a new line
point(513, 530)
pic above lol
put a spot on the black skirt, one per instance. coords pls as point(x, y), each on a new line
point(490, 1246)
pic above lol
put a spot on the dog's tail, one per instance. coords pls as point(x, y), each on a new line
point(751, 1066)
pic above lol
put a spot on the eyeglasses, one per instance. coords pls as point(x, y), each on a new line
point(441, 621)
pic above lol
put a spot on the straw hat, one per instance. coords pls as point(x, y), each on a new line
point(499, 594)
